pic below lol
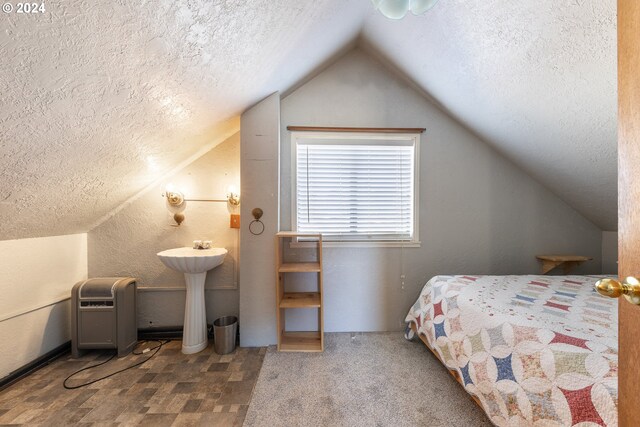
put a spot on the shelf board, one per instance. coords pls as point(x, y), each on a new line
point(300, 341)
point(300, 300)
point(300, 267)
point(549, 262)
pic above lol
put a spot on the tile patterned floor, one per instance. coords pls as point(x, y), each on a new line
point(171, 389)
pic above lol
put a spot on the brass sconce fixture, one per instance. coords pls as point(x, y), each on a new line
point(232, 196)
point(176, 200)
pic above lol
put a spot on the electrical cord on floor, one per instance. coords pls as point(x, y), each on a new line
point(146, 350)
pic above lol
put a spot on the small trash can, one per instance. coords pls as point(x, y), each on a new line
point(225, 330)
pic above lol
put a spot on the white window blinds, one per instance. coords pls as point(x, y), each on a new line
point(356, 188)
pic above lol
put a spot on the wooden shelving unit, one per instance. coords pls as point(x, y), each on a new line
point(290, 340)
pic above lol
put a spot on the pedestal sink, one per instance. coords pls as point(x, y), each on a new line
point(194, 263)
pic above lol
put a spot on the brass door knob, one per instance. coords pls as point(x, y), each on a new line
point(612, 288)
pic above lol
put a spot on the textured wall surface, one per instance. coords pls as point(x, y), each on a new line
point(36, 272)
point(100, 99)
point(127, 243)
point(479, 213)
point(36, 277)
point(537, 79)
point(32, 335)
point(259, 167)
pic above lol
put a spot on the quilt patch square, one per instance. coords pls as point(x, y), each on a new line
point(581, 406)
point(505, 370)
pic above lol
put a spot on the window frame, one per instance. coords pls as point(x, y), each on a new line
point(414, 138)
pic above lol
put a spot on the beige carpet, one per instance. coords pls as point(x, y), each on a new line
point(364, 379)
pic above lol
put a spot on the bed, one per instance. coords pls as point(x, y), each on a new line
point(531, 350)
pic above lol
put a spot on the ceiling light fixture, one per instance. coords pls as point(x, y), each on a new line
point(397, 9)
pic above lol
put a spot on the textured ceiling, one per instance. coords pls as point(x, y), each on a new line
point(100, 99)
point(536, 79)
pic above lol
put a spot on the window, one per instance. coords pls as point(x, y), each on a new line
point(356, 187)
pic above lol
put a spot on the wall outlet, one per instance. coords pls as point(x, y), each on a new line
point(234, 221)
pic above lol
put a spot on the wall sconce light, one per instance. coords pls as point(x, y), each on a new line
point(232, 196)
point(176, 200)
point(174, 197)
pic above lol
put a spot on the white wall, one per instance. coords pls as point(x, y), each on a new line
point(36, 277)
point(479, 214)
point(610, 252)
point(260, 130)
point(127, 243)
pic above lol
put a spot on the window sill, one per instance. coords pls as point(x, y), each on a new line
point(357, 244)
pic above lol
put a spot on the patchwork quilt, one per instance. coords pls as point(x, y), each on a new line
point(535, 350)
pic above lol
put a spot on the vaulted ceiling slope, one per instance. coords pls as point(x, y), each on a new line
point(536, 79)
point(100, 100)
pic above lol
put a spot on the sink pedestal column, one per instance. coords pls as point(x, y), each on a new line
point(194, 336)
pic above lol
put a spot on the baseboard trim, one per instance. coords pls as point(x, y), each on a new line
point(166, 333)
point(160, 333)
point(36, 364)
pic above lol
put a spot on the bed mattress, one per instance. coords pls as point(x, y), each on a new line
point(534, 350)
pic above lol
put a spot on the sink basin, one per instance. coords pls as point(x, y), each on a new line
point(189, 260)
point(194, 263)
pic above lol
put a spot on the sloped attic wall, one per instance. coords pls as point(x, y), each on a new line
point(535, 79)
point(90, 118)
point(67, 186)
point(101, 99)
point(127, 243)
point(479, 213)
